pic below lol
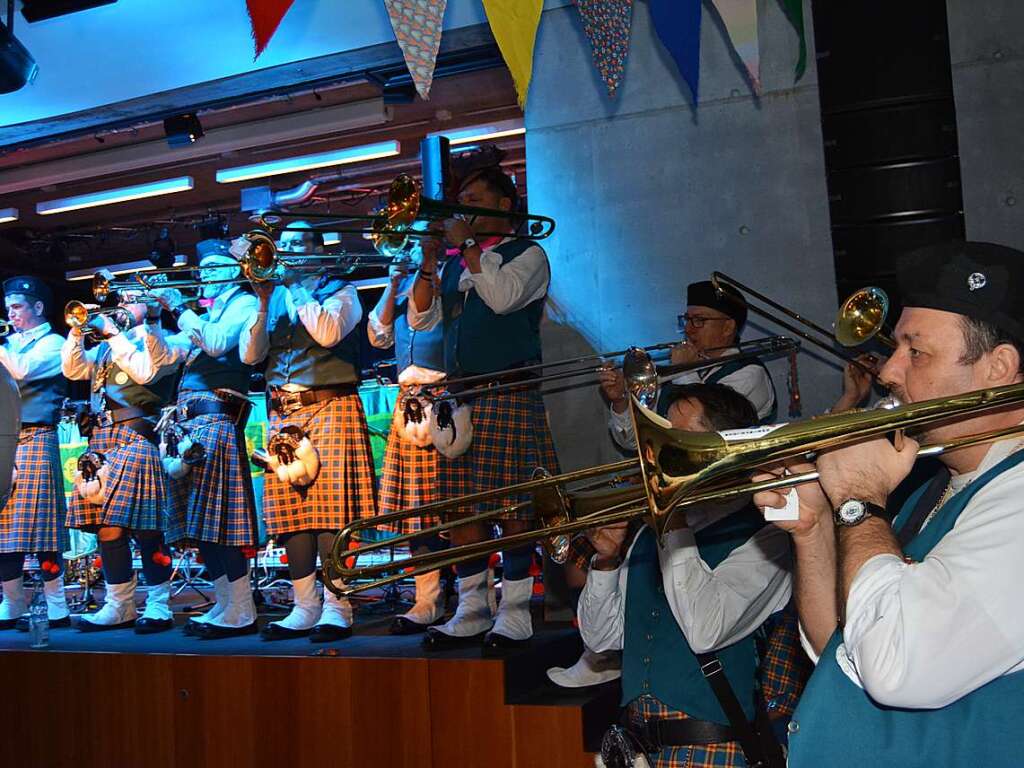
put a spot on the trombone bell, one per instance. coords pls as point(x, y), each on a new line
point(861, 316)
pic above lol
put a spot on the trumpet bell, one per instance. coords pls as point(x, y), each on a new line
point(861, 317)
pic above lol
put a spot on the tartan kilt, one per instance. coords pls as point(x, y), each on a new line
point(218, 505)
point(725, 755)
point(785, 667)
point(33, 520)
point(511, 438)
point(344, 490)
point(139, 492)
point(409, 478)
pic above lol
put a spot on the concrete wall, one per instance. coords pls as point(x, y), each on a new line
point(987, 53)
point(651, 193)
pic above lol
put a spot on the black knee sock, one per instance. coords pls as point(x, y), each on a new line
point(152, 543)
point(56, 558)
point(469, 568)
point(301, 550)
point(515, 563)
point(11, 565)
point(212, 559)
point(117, 560)
point(236, 565)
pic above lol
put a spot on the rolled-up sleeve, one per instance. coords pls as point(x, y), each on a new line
point(381, 336)
point(508, 287)
point(253, 341)
point(602, 609)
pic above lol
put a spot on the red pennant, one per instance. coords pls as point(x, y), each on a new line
point(265, 16)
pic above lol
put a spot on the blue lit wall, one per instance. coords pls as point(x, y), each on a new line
point(651, 194)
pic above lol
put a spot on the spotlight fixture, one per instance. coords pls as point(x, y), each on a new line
point(182, 130)
point(162, 253)
point(17, 67)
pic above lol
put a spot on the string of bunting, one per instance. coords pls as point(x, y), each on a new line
point(418, 26)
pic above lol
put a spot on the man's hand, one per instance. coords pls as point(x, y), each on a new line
point(684, 353)
point(168, 298)
point(868, 471)
point(291, 277)
point(104, 325)
point(263, 289)
point(397, 273)
point(857, 383)
point(608, 542)
point(457, 231)
point(814, 505)
point(613, 387)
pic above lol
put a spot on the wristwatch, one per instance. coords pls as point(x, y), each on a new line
point(854, 512)
point(469, 242)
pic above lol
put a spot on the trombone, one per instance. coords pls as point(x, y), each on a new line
point(6, 328)
point(861, 317)
point(79, 315)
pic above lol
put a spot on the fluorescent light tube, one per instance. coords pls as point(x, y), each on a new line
point(309, 162)
point(120, 269)
point(478, 133)
point(118, 195)
point(8, 214)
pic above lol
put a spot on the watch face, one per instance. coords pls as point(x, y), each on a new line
point(851, 512)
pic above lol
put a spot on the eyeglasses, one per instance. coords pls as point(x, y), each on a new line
point(697, 321)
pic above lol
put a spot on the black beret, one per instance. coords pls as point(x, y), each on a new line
point(29, 286)
point(983, 281)
point(730, 302)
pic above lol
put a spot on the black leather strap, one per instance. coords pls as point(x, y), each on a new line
point(280, 398)
point(234, 408)
point(682, 733)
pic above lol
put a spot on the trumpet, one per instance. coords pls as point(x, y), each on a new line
point(6, 328)
point(79, 315)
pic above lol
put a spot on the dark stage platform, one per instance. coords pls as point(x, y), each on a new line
point(119, 699)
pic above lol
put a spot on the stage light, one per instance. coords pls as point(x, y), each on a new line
point(481, 133)
point(17, 67)
point(118, 195)
point(123, 268)
point(309, 162)
point(162, 250)
point(8, 214)
point(183, 130)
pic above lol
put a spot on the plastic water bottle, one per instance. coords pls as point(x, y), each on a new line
point(38, 620)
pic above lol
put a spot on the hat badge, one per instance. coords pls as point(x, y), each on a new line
point(26, 286)
point(976, 280)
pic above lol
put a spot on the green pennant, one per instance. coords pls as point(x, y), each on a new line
point(794, 10)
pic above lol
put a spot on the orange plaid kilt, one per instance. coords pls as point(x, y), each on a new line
point(33, 520)
point(511, 439)
point(409, 477)
point(725, 755)
point(344, 490)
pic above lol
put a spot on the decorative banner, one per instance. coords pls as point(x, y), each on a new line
point(265, 16)
point(740, 20)
point(795, 12)
point(607, 23)
point(677, 23)
point(514, 24)
point(417, 25)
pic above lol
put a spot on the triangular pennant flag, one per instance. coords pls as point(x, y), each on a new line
point(795, 12)
point(740, 20)
point(677, 23)
point(265, 16)
point(514, 24)
point(607, 23)
point(417, 25)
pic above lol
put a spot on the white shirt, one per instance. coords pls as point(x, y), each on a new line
point(382, 336)
point(504, 288)
point(923, 635)
point(127, 352)
point(752, 381)
point(42, 361)
point(713, 607)
point(327, 323)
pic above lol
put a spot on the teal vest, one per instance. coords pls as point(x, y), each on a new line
point(837, 724)
point(204, 373)
point(295, 358)
point(412, 347)
point(41, 398)
point(656, 659)
point(668, 390)
point(478, 340)
point(122, 392)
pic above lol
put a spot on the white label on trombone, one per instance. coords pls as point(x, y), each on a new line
point(789, 512)
point(751, 433)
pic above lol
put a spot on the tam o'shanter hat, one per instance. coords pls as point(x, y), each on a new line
point(730, 302)
point(29, 286)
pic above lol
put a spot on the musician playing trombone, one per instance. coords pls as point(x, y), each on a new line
point(712, 324)
point(34, 518)
point(492, 300)
point(688, 604)
point(409, 477)
point(915, 620)
point(320, 475)
point(204, 441)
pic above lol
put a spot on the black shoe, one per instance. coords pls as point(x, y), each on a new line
point(22, 625)
point(190, 628)
point(152, 626)
point(498, 645)
point(435, 640)
point(274, 631)
point(209, 631)
point(329, 633)
point(8, 623)
point(403, 626)
point(84, 625)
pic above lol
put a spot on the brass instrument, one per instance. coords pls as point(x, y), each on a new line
point(78, 315)
point(860, 318)
point(6, 328)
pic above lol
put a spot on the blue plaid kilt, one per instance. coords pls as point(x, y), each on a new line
point(409, 478)
point(139, 493)
point(219, 506)
point(344, 490)
point(511, 438)
point(785, 667)
point(33, 520)
point(725, 755)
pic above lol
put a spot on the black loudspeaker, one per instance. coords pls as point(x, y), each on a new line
point(17, 67)
point(880, 192)
point(890, 134)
